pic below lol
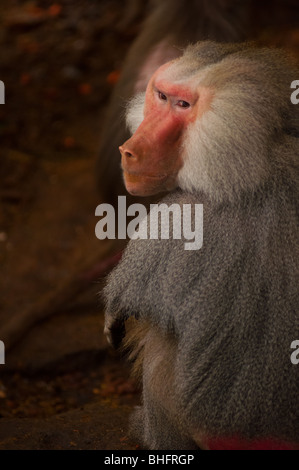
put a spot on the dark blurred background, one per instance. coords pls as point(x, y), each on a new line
point(60, 62)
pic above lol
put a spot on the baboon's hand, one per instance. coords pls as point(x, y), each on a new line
point(114, 331)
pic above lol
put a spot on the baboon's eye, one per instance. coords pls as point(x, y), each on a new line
point(183, 104)
point(162, 96)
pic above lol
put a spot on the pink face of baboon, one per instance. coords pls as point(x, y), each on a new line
point(152, 157)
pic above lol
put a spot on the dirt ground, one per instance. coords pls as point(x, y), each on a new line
point(61, 386)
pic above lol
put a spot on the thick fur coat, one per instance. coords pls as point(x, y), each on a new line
point(216, 355)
